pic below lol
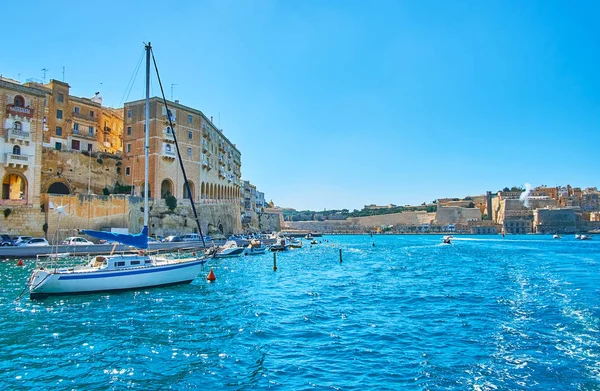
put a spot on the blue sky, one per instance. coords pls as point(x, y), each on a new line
point(338, 104)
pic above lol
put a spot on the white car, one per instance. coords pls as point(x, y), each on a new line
point(34, 242)
point(77, 241)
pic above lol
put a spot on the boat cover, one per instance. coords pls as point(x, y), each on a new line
point(136, 240)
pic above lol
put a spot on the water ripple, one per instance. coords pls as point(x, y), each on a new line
point(484, 314)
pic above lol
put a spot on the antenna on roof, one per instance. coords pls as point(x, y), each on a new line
point(172, 85)
point(44, 77)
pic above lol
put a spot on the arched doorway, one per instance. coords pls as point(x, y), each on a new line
point(58, 188)
point(166, 188)
point(185, 192)
point(202, 191)
point(14, 187)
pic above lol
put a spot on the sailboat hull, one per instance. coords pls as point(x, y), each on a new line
point(45, 283)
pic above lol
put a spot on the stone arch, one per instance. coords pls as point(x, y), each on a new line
point(19, 101)
point(166, 188)
point(58, 187)
point(192, 190)
point(16, 150)
point(14, 186)
point(202, 191)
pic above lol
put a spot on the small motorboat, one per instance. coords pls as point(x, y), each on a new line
point(556, 236)
point(228, 250)
point(280, 245)
point(585, 237)
point(295, 243)
point(308, 236)
point(314, 241)
point(577, 236)
point(447, 239)
point(256, 247)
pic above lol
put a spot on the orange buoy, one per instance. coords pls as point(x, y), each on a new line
point(20, 263)
point(211, 276)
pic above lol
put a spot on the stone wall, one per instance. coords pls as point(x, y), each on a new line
point(224, 217)
point(270, 222)
point(93, 212)
point(22, 220)
point(74, 169)
point(454, 215)
point(122, 211)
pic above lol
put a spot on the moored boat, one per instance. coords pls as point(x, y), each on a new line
point(117, 272)
point(228, 250)
point(256, 247)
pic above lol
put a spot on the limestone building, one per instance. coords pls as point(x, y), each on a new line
point(79, 124)
point(22, 119)
point(212, 162)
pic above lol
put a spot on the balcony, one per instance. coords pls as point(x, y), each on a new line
point(168, 151)
point(13, 160)
point(107, 129)
point(26, 112)
point(18, 134)
point(85, 117)
point(86, 135)
point(204, 146)
point(107, 144)
point(168, 134)
point(206, 134)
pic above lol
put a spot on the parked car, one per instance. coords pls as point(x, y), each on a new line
point(20, 239)
point(34, 242)
point(191, 238)
point(5, 240)
point(77, 241)
point(172, 238)
point(158, 238)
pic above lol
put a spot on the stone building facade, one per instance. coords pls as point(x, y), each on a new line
point(79, 124)
point(211, 161)
point(22, 119)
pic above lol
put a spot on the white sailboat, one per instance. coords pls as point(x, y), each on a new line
point(117, 272)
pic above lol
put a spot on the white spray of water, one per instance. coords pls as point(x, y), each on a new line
point(525, 195)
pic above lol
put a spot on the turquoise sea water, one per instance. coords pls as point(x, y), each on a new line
point(485, 313)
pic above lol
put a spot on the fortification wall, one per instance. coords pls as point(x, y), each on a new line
point(455, 215)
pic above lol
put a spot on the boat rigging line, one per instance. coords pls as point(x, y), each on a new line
point(132, 80)
point(173, 132)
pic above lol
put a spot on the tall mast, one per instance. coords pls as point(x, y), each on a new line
point(147, 133)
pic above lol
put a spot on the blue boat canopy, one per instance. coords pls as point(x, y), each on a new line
point(138, 240)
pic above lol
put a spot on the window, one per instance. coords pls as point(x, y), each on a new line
point(190, 119)
point(18, 125)
point(190, 153)
point(127, 171)
point(91, 130)
point(135, 262)
point(59, 130)
point(128, 148)
point(75, 145)
point(60, 97)
point(89, 147)
point(190, 134)
point(75, 128)
point(144, 128)
point(19, 101)
point(59, 114)
point(129, 113)
point(58, 146)
point(120, 263)
point(16, 150)
point(76, 110)
point(129, 130)
point(92, 113)
point(168, 130)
